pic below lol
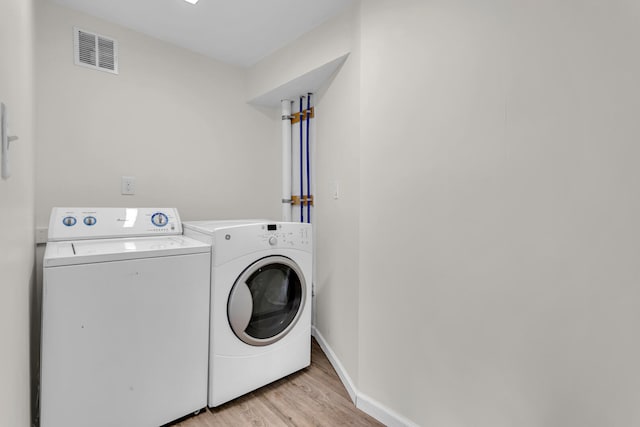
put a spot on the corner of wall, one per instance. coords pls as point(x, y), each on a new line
point(337, 365)
point(17, 214)
point(326, 43)
point(363, 402)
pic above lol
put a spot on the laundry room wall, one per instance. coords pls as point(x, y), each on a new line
point(337, 217)
point(337, 161)
point(480, 264)
point(499, 203)
point(495, 172)
point(16, 214)
point(310, 51)
point(176, 120)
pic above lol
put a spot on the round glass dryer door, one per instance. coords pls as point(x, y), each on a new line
point(266, 300)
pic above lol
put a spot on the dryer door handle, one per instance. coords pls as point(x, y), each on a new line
point(240, 308)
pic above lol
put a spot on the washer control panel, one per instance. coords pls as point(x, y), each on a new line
point(98, 223)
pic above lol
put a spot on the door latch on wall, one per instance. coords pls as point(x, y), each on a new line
point(6, 142)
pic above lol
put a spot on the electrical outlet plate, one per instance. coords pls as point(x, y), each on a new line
point(41, 235)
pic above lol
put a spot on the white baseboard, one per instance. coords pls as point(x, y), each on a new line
point(363, 402)
point(335, 362)
point(381, 413)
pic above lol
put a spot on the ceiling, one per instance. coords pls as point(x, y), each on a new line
point(239, 32)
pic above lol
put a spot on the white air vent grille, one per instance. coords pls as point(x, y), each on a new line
point(95, 51)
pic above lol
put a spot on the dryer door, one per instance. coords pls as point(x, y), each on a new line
point(266, 300)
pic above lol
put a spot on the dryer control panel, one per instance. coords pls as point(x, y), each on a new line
point(101, 223)
point(282, 234)
point(232, 241)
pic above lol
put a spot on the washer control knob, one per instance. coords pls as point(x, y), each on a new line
point(69, 221)
point(273, 241)
point(159, 219)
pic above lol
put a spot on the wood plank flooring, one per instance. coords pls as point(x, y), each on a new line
point(311, 397)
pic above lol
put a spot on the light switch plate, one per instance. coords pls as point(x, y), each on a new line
point(128, 185)
point(335, 190)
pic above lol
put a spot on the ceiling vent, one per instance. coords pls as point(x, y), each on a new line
point(95, 51)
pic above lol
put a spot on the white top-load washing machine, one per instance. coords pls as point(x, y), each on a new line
point(125, 319)
point(260, 302)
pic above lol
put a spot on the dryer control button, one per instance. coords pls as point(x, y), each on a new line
point(273, 241)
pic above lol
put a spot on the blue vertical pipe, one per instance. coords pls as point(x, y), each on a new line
point(301, 167)
point(308, 171)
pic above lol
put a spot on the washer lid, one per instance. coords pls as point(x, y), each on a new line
point(91, 251)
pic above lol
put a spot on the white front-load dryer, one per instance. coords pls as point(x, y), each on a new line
point(260, 303)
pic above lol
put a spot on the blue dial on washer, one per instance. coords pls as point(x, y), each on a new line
point(89, 220)
point(159, 219)
point(69, 221)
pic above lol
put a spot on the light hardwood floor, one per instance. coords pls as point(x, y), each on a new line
point(312, 397)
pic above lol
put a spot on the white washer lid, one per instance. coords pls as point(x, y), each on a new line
point(104, 250)
point(209, 227)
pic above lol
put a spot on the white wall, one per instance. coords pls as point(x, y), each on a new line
point(16, 214)
point(502, 287)
point(492, 190)
point(324, 44)
point(175, 120)
point(480, 267)
point(337, 220)
point(337, 160)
